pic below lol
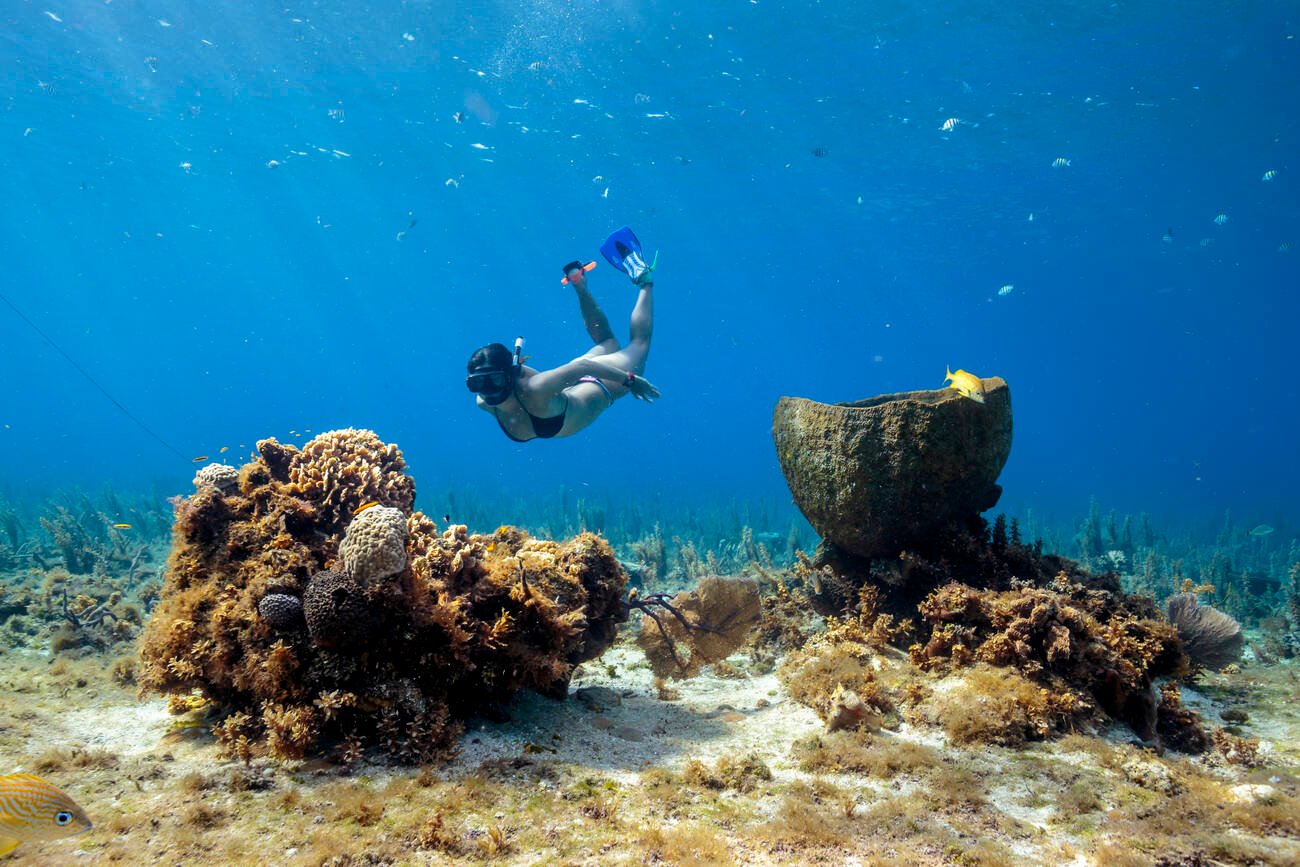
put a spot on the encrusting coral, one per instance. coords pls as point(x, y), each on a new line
point(263, 614)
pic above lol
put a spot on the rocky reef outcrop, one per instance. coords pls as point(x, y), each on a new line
point(895, 485)
point(316, 610)
point(877, 475)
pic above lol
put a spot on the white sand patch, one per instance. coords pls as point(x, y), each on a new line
point(124, 730)
point(617, 725)
point(1013, 799)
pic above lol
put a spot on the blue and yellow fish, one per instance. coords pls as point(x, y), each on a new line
point(32, 810)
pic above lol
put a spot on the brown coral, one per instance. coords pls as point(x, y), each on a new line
point(374, 546)
point(1090, 643)
point(396, 663)
point(342, 470)
point(281, 610)
point(339, 613)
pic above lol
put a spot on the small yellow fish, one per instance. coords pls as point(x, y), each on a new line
point(121, 526)
point(32, 810)
point(1269, 175)
point(361, 508)
point(223, 450)
point(198, 459)
point(967, 383)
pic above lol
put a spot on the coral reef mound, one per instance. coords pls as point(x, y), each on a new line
point(1082, 644)
point(876, 475)
point(263, 615)
point(999, 649)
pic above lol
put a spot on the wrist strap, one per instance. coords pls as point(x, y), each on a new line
point(631, 377)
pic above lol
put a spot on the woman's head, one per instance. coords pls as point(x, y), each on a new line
point(491, 373)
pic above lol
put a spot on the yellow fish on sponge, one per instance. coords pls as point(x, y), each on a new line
point(32, 810)
point(968, 384)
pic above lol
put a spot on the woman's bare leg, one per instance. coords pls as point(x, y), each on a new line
point(593, 317)
point(632, 356)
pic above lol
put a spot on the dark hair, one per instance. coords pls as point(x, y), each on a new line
point(494, 356)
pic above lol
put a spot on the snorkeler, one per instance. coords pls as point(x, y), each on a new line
point(542, 404)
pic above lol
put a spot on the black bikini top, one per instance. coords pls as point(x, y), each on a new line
point(543, 428)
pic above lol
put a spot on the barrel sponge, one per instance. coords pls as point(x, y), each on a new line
point(339, 615)
point(223, 477)
point(342, 470)
point(374, 545)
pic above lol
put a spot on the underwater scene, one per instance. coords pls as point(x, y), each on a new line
point(643, 432)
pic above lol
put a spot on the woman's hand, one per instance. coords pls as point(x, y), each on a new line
point(641, 388)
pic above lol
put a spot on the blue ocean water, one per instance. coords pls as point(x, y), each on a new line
point(247, 220)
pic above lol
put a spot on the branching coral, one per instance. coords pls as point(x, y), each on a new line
point(261, 616)
point(80, 551)
point(344, 469)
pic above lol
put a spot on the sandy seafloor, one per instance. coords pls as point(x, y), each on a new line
point(598, 779)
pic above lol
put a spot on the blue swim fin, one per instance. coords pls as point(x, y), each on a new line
point(622, 250)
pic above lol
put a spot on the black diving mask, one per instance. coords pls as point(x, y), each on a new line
point(493, 385)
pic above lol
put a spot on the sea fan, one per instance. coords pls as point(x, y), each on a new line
point(1211, 638)
point(701, 626)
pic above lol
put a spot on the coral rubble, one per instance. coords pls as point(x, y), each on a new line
point(314, 607)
